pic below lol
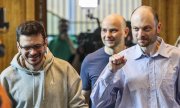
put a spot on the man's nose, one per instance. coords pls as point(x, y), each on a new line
point(108, 33)
point(140, 32)
point(33, 51)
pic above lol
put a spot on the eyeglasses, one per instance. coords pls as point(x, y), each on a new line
point(29, 48)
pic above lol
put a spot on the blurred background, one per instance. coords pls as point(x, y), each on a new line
point(84, 20)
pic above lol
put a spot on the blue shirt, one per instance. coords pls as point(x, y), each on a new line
point(91, 68)
point(143, 82)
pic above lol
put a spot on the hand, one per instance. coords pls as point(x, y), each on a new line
point(116, 62)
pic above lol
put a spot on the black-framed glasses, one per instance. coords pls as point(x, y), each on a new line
point(30, 47)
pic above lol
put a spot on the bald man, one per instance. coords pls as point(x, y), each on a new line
point(113, 32)
point(146, 75)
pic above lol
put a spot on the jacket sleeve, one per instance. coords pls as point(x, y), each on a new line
point(5, 79)
point(107, 88)
point(75, 98)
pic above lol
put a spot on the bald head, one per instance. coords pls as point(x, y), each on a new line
point(115, 19)
point(144, 10)
point(145, 26)
point(113, 32)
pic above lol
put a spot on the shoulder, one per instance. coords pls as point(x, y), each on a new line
point(63, 70)
point(63, 67)
point(7, 72)
point(172, 50)
point(61, 63)
point(8, 75)
point(98, 53)
point(94, 56)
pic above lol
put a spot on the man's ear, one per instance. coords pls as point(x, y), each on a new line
point(126, 31)
point(46, 42)
point(18, 47)
point(158, 27)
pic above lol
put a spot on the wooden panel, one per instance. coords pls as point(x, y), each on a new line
point(17, 11)
point(173, 22)
point(30, 9)
point(40, 13)
point(169, 13)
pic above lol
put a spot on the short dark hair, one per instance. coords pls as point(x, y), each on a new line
point(30, 28)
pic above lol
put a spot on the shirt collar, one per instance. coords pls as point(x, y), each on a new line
point(163, 51)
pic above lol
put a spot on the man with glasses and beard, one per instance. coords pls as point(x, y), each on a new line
point(35, 78)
